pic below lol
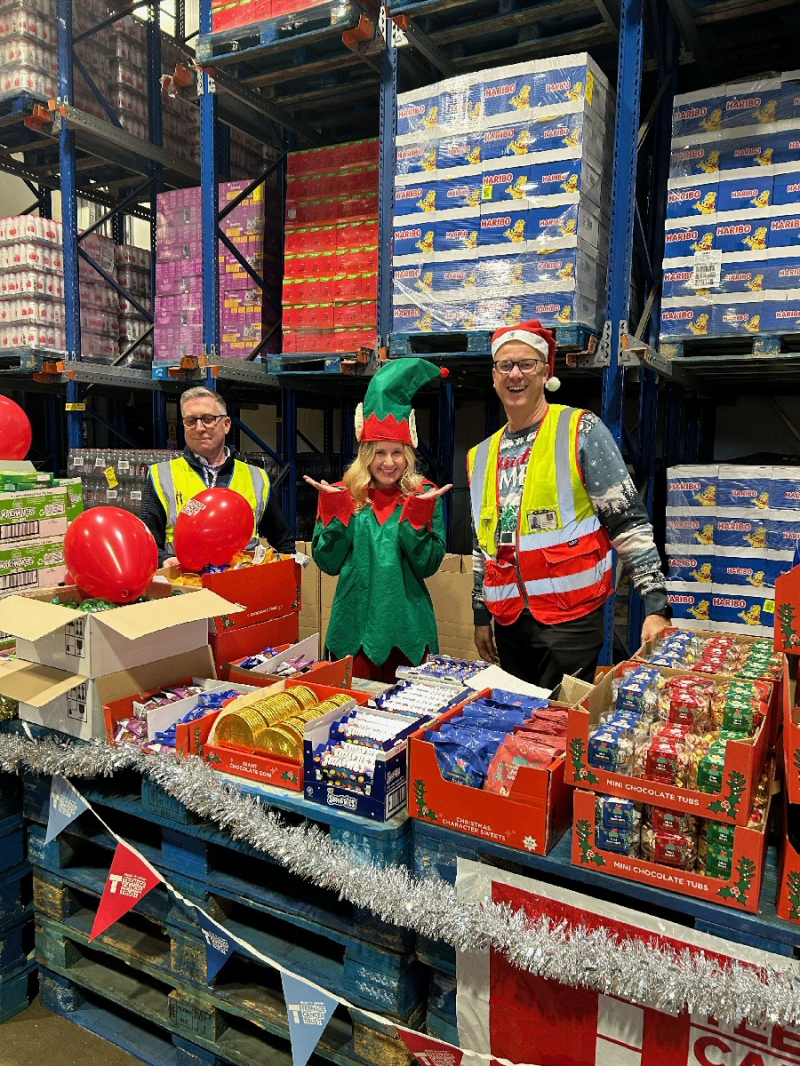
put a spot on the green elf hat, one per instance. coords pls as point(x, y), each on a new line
point(386, 413)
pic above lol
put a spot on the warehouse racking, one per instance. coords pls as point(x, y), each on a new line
point(332, 73)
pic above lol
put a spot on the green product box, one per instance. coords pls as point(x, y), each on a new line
point(74, 487)
point(32, 564)
point(16, 482)
point(33, 513)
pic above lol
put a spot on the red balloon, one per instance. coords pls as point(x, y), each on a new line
point(212, 527)
point(111, 554)
point(15, 430)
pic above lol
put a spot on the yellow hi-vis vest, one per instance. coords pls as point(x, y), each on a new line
point(176, 483)
point(562, 570)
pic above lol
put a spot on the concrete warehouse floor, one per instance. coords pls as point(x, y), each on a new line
point(37, 1036)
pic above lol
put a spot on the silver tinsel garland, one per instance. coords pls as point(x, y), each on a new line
point(635, 970)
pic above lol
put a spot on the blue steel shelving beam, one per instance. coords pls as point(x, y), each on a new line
point(156, 124)
point(623, 207)
point(388, 136)
point(69, 217)
point(208, 194)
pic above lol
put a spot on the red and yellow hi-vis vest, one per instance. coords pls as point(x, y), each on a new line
point(563, 566)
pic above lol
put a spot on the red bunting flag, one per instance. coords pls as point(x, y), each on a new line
point(129, 880)
point(430, 1052)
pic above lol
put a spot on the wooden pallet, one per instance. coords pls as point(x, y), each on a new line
point(127, 979)
point(765, 344)
point(307, 27)
point(18, 989)
point(478, 342)
point(437, 850)
point(351, 363)
point(70, 875)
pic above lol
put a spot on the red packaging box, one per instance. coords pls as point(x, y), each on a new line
point(743, 891)
point(364, 261)
point(360, 205)
point(233, 644)
point(787, 612)
point(288, 7)
point(791, 728)
point(361, 313)
point(744, 761)
point(533, 817)
point(265, 591)
point(339, 674)
point(289, 342)
point(347, 287)
point(267, 769)
point(350, 235)
point(369, 286)
point(787, 903)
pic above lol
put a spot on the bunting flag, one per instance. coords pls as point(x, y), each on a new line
point(309, 1010)
point(430, 1052)
point(66, 803)
point(219, 945)
point(129, 880)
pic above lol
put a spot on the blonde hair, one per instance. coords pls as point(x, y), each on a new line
point(358, 479)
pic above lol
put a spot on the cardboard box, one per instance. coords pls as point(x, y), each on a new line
point(266, 769)
point(264, 592)
point(787, 612)
point(310, 615)
point(387, 795)
point(38, 513)
point(533, 817)
point(309, 648)
point(73, 704)
point(743, 891)
point(29, 564)
point(94, 645)
point(232, 644)
point(337, 674)
point(160, 718)
point(744, 761)
point(791, 728)
point(787, 905)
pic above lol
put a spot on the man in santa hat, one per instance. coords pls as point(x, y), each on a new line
point(551, 497)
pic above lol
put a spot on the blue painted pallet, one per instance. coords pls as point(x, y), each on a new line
point(477, 342)
point(762, 344)
point(16, 896)
point(313, 363)
point(298, 29)
point(70, 875)
point(243, 1021)
point(17, 989)
point(437, 850)
point(12, 842)
point(175, 840)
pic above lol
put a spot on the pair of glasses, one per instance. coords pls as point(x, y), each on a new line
point(207, 420)
point(526, 366)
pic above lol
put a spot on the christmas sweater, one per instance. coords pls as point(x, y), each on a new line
point(382, 555)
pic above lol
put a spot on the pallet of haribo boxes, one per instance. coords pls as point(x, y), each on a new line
point(724, 654)
point(672, 739)
point(495, 768)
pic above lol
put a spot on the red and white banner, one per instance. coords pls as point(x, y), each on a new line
point(130, 879)
point(514, 1015)
point(429, 1052)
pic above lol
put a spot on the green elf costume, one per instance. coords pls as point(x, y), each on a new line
point(382, 612)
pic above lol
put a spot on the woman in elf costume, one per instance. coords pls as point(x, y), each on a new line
point(381, 529)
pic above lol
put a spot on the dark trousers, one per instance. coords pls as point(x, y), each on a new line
point(541, 654)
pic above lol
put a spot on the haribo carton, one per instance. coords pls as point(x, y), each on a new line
point(744, 762)
point(241, 761)
point(691, 605)
point(73, 704)
point(782, 269)
point(688, 527)
point(753, 103)
point(693, 197)
point(695, 159)
point(742, 890)
point(744, 229)
point(684, 237)
point(743, 487)
point(697, 114)
point(737, 611)
point(741, 527)
point(737, 314)
point(783, 532)
point(262, 590)
point(417, 112)
point(463, 151)
point(753, 192)
point(786, 188)
point(682, 317)
point(695, 568)
point(457, 231)
point(784, 227)
point(63, 638)
point(416, 199)
point(782, 315)
point(748, 567)
point(533, 817)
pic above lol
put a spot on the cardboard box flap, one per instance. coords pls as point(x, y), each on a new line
point(36, 685)
point(140, 619)
point(31, 619)
point(572, 690)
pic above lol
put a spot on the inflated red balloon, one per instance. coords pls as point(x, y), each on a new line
point(15, 430)
point(212, 528)
point(111, 554)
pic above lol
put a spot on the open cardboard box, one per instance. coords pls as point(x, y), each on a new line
point(791, 728)
point(744, 761)
point(649, 646)
point(308, 648)
point(264, 592)
point(73, 704)
point(742, 891)
point(533, 817)
point(195, 738)
point(787, 612)
point(232, 644)
point(160, 718)
point(787, 903)
point(94, 645)
point(338, 674)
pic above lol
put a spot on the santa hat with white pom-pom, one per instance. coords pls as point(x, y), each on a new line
point(537, 337)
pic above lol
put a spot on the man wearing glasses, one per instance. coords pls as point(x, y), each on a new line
point(208, 462)
point(551, 497)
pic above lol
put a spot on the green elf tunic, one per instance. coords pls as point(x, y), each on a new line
point(382, 554)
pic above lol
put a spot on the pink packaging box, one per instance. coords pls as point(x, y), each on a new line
point(184, 301)
point(236, 319)
point(172, 344)
point(179, 318)
point(180, 251)
point(184, 288)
